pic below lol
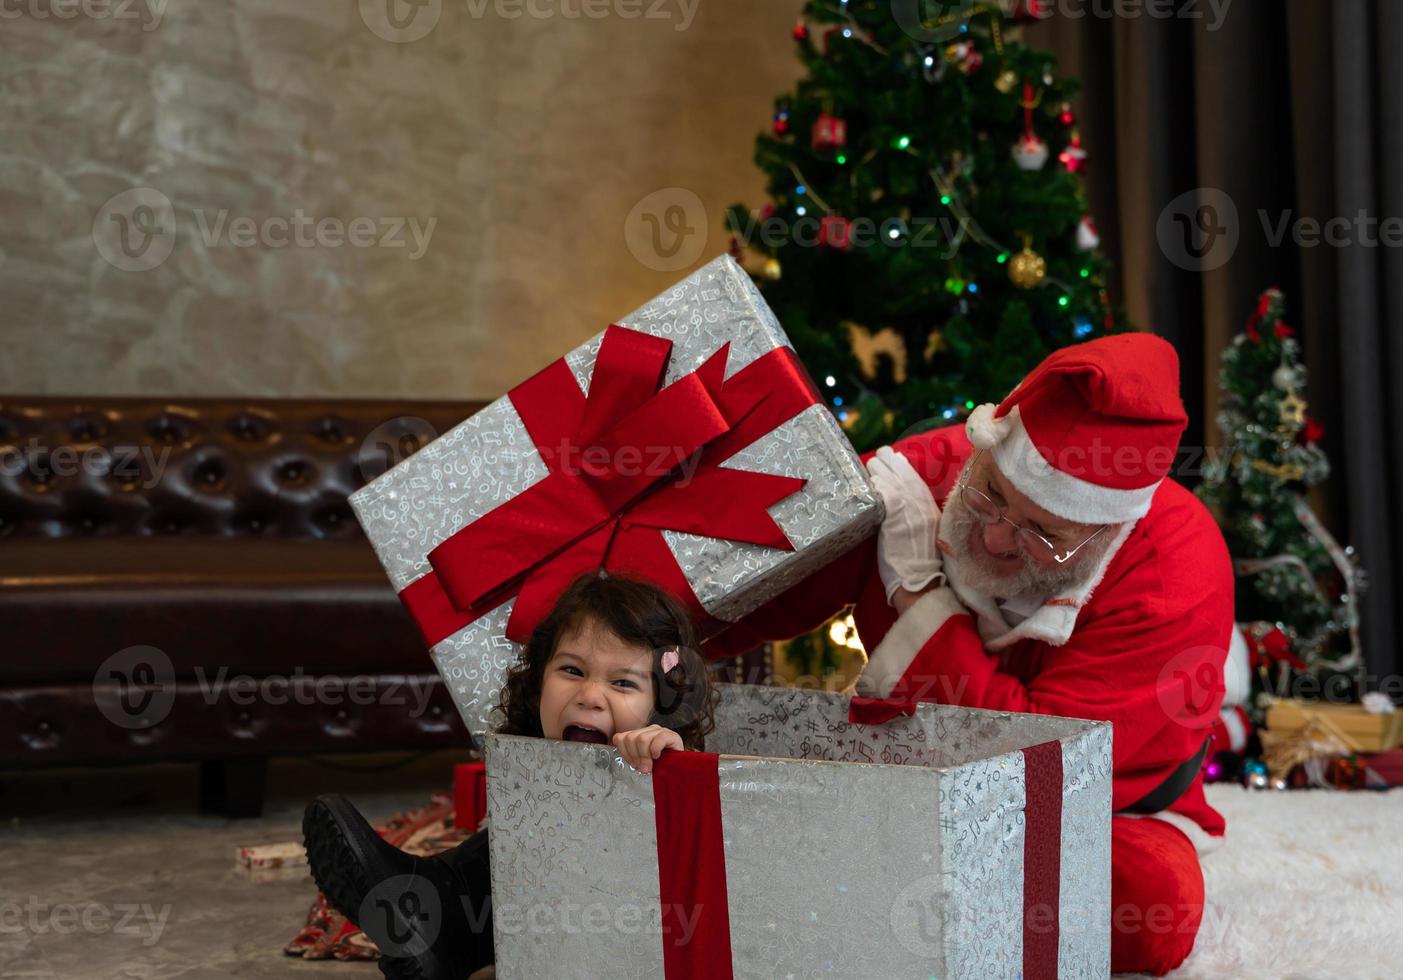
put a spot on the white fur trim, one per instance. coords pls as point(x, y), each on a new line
point(1235, 721)
point(983, 429)
point(1202, 840)
point(1070, 498)
point(1237, 672)
point(911, 631)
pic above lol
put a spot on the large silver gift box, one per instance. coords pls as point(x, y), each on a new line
point(490, 458)
point(951, 842)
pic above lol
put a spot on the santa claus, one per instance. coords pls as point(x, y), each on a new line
point(1039, 559)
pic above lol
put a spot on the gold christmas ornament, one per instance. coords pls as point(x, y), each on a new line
point(1293, 409)
point(1007, 79)
point(1284, 471)
point(1027, 269)
point(771, 269)
point(935, 343)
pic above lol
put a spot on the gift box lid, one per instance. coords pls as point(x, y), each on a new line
point(797, 493)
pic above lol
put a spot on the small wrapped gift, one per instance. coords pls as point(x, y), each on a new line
point(825, 837)
point(685, 444)
point(1351, 727)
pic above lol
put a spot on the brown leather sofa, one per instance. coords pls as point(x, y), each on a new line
point(183, 579)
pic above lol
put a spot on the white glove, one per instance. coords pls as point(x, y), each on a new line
point(907, 556)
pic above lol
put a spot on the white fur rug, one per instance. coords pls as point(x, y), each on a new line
point(1308, 886)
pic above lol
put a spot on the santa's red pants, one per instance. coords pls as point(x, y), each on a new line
point(1156, 896)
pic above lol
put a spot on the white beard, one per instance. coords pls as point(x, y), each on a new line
point(1031, 580)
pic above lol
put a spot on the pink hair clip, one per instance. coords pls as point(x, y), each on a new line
point(669, 659)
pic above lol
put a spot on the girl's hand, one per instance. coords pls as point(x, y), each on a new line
point(642, 745)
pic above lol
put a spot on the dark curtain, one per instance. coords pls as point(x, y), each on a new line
point(1292, 110)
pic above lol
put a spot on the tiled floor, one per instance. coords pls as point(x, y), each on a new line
point(113, 875)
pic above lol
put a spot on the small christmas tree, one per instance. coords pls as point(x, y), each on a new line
point(928, 240)
point(1296, 588)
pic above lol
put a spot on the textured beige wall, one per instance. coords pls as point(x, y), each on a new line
point(526, 141)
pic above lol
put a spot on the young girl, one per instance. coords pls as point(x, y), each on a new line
point(614, 663)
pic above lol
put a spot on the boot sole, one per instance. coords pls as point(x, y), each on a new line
point(346, 867)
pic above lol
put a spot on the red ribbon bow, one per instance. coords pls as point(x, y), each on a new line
point(616, 481)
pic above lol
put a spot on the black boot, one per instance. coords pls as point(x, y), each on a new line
point(430, 917)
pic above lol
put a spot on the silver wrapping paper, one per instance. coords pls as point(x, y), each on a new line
point(489, 458)
point(835, 865)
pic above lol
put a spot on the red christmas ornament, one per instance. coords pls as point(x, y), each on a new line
point(829, 132)
point(1263, 307)
point(1312, 433)
point(781, 122)
point(1065, 117)
point(1275, 648)
point(835, 231)
point(1283, 331)
point(801, 31)
point(1028, 10)
point(1073, 157)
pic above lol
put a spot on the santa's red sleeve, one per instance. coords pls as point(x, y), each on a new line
point(1153, 672)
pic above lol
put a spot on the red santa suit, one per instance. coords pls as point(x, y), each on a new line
point(1088, 436)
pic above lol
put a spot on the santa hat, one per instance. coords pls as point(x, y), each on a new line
point(1092, 431)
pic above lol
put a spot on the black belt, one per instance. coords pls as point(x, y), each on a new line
point(1173, 787)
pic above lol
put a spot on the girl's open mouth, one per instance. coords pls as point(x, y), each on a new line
point(583, 733)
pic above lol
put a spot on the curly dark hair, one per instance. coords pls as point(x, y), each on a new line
point(638, 613)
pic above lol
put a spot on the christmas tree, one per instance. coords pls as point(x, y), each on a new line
point(1296, 588)
point(928, 241)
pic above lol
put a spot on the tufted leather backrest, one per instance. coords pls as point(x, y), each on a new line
point(201, 466)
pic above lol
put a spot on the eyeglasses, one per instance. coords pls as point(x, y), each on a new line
point(1034, 544)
